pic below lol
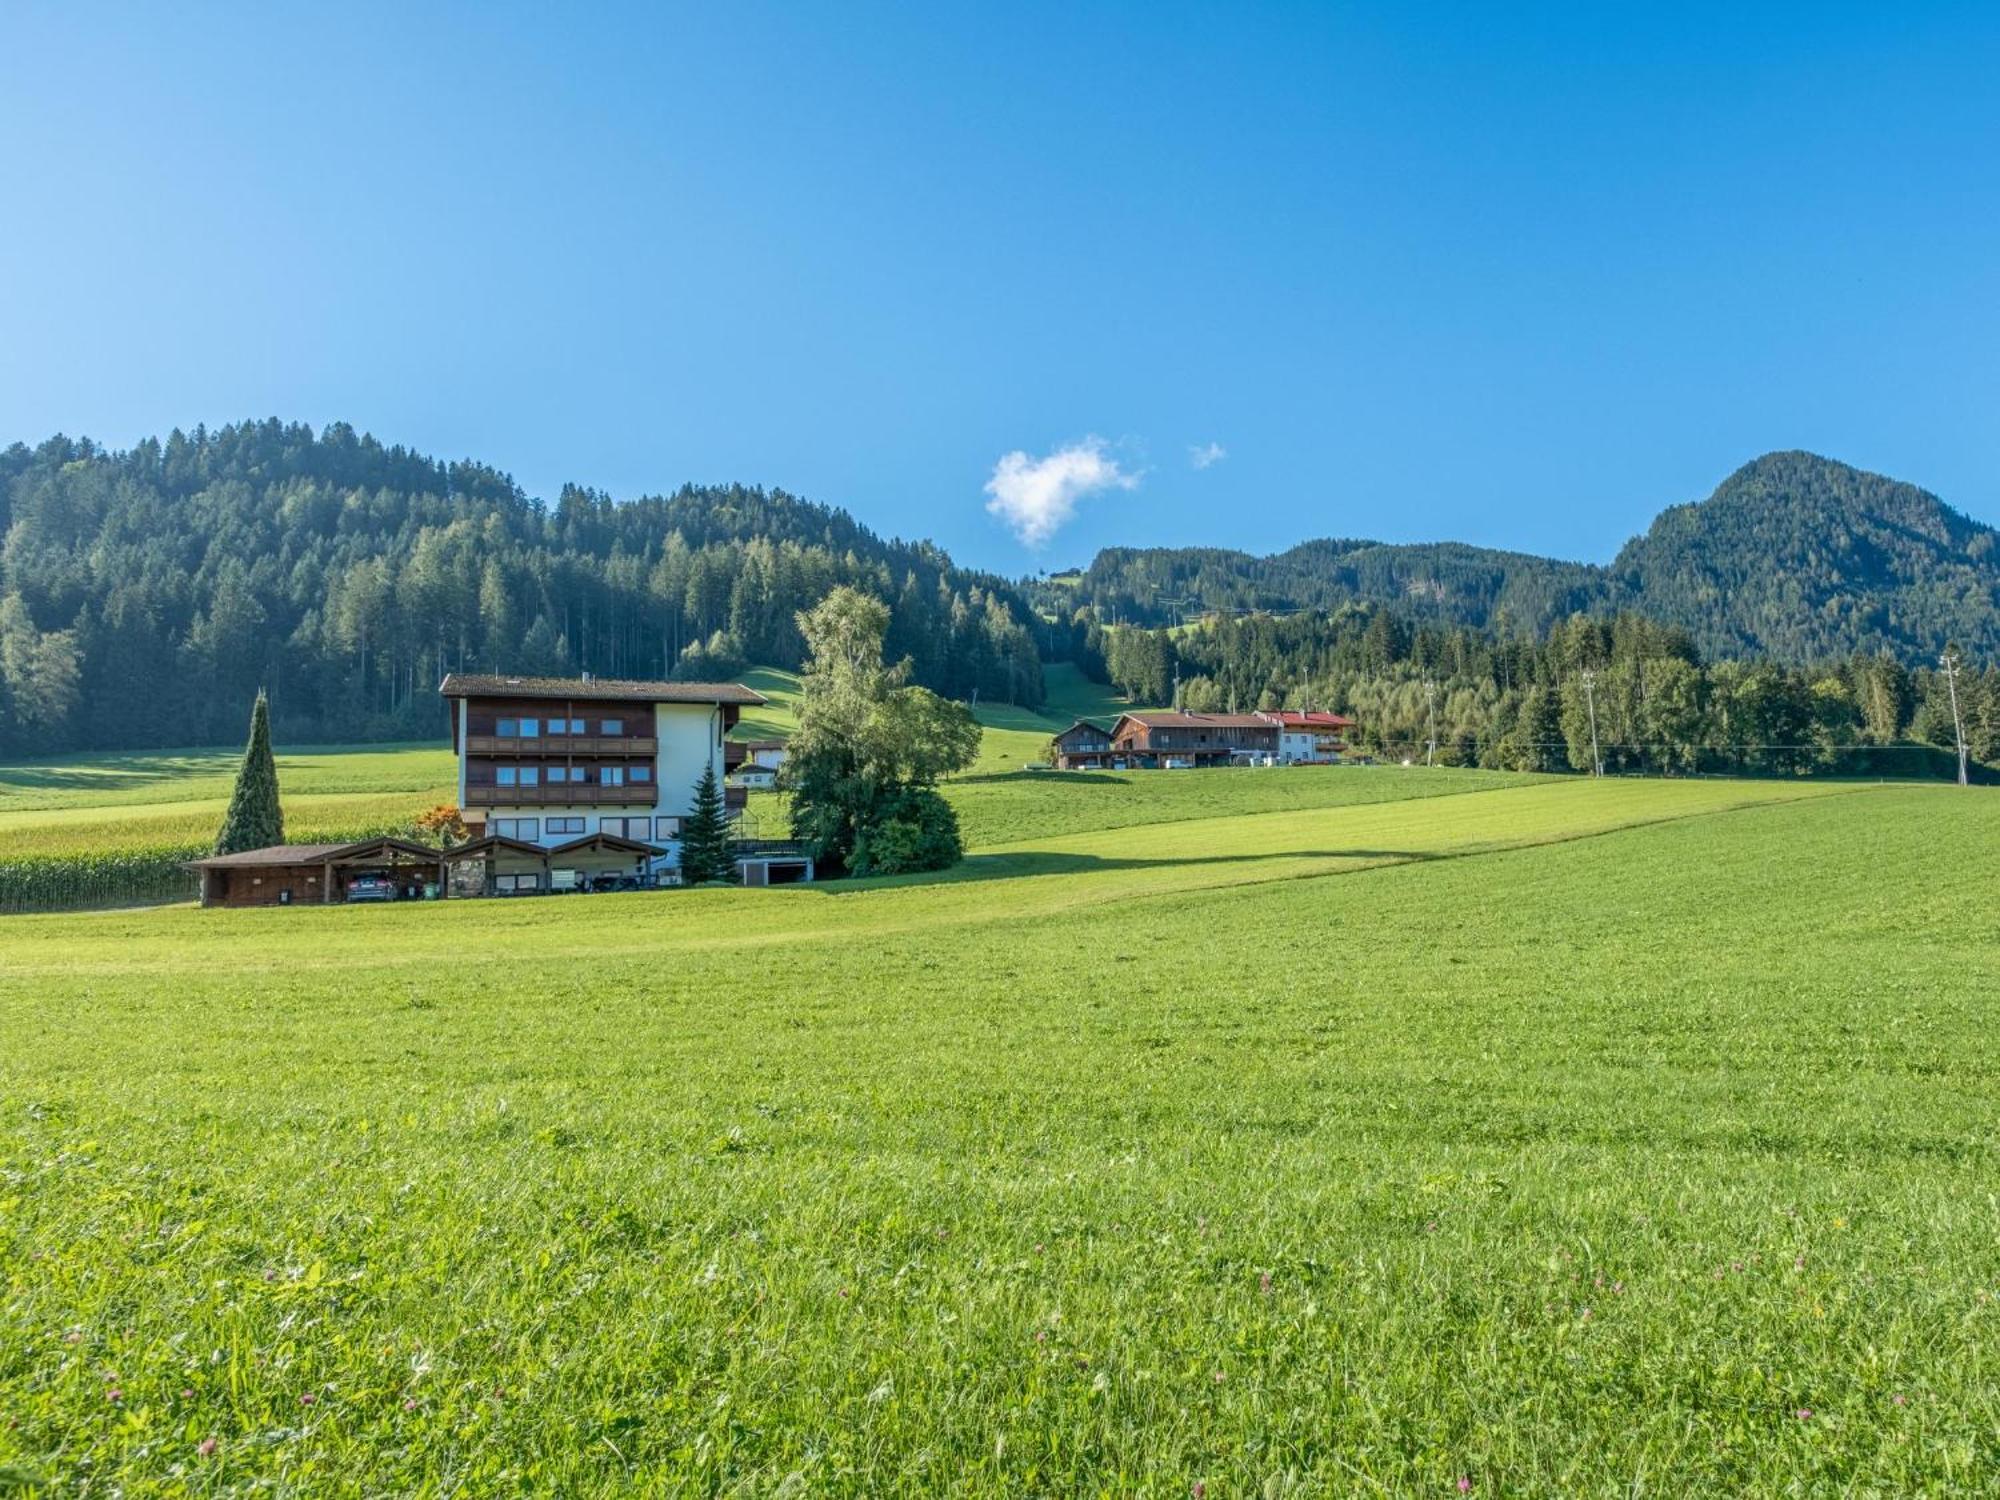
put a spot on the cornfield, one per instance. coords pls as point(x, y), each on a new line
point(75, 878)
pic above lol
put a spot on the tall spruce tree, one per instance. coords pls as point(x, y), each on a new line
point(705, 836)
point(254, 820)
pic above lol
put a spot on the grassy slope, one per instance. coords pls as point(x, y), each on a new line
point(1533, 1147)
point(145, 800)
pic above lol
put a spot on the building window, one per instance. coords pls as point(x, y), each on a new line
point(611, 726)
point(612, 775)
point(516, 884)
point(531, 729)
point(558, 726)
point(559, 774)
point(565, 825)
point(525, 830)
point(531, 775)
point(504, 776)
point(576, 726)
point(667, 828)
point(642, 773)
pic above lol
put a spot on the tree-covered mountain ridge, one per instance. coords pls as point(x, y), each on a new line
point(146, 595)
point(1795, 557)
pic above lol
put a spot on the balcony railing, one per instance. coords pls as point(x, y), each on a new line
point(561, 744)
point(565, 795)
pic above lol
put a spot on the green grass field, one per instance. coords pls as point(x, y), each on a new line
point(1549, 1138)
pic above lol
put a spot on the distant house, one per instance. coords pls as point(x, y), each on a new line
point(1084, 746)
point(1170, 740)
point(754, 764)
point(1310, 739)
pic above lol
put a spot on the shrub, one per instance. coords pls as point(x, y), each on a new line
point(915, 829)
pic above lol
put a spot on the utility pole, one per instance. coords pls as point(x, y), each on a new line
point(1590, 697)
point(1950, 664)
point(1431, 701)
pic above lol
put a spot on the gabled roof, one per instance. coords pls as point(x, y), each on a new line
point(1174, 719)
point(490, 685)
point(493, 842)
point(1091, 724)
point(1314, 719)
point(605, 841)
point(271, 854)
point(314, 854)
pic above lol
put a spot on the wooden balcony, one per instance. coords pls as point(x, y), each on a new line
point(646, 794)
point(563, 744)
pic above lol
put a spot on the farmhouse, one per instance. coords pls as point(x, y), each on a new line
point(1084, 746)
point(597, 772)
point(1310, 739)
point(1171, 740)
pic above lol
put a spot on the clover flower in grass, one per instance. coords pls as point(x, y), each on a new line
point(206, 1448)
point(1804, 1413)
point(1465, 1484)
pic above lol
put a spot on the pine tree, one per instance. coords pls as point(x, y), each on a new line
point(705, 836)
point(254, 820)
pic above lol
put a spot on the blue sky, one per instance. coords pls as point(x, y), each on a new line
point(1513, 275)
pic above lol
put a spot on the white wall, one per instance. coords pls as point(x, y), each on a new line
point(690, 736)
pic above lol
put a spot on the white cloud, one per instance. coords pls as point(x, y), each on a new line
point(1036, 496)
point(1206, 455)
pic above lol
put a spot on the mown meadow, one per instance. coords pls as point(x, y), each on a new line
point(1552, 1138)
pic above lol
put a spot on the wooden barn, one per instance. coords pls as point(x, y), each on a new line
point(1172, 740)
point(382, 869)
point(1084, 746)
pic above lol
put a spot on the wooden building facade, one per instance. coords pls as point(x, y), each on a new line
point(1171, 739)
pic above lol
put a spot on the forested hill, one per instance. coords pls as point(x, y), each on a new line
point(145, 595)
point(1801, 558)
point(1795, 557)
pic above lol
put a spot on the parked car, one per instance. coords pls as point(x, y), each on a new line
point(371, 888)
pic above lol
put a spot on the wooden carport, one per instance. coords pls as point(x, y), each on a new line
point(605, 854)
point(499, 856)
point(392, 856)
point(298, 874)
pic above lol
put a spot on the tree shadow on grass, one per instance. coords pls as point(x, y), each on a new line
point(126, 772)
point(979, 867)
point(1050, 778)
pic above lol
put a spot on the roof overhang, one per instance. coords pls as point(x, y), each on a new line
point(610, 843)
